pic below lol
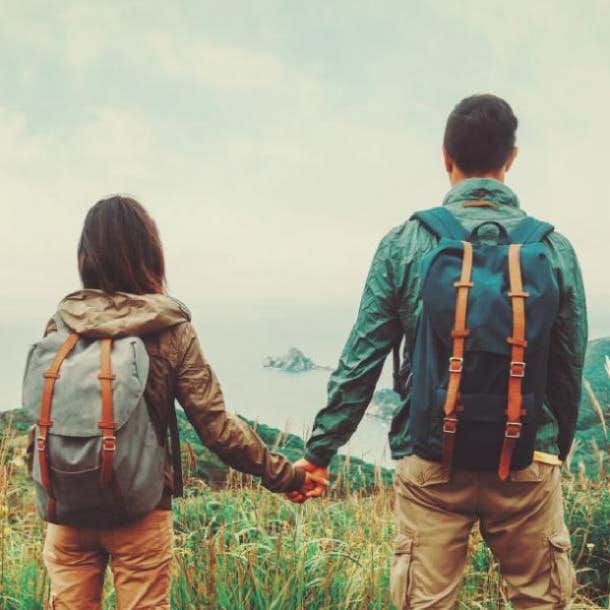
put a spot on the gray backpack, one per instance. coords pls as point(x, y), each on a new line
point(97, 457)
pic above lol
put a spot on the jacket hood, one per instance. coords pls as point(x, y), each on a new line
point(94, 313)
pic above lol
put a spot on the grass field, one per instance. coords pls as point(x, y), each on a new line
point(242, 547)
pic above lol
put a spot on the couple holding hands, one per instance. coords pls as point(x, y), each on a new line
point(480, 440)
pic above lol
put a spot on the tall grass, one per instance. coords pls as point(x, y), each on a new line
point(242, 547)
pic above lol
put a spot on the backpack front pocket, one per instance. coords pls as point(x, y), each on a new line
point(80, 493)
point(481, 428)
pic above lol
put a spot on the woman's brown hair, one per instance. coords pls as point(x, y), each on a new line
point(120, 248)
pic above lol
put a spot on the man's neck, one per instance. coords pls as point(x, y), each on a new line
point(456, 175)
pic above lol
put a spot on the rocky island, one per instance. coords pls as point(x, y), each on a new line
point(294, 361)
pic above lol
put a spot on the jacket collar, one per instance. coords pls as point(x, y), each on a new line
point(485, 189)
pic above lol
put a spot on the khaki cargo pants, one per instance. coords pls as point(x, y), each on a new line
point(140, 557)
point(520, 519)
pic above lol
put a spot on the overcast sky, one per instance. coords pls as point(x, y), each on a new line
point(275, 143)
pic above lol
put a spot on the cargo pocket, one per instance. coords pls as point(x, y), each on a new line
point(400, 574)
point(563, 576)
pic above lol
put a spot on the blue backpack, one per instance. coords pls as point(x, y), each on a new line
point(479, 363)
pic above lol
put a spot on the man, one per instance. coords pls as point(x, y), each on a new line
point(521, 517)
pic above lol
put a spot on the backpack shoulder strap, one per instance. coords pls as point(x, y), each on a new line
point(174, 437)
point(530, 230)
point(442, 223)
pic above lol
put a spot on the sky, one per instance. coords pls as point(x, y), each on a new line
point(275, 143)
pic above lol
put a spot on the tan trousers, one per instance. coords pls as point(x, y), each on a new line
point(520, 519)
point(140, 559)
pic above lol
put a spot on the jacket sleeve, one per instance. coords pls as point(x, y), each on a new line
point(232, 440)
point(568, 344)
point(352, 384)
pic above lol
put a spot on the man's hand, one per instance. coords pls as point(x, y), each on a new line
point(316, 482)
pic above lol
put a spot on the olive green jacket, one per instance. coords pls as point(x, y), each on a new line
point(391, 306)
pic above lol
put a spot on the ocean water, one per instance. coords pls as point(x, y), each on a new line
point(235, 340)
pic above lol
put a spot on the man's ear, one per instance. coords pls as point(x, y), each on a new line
point(511, 158)
point(448, 161)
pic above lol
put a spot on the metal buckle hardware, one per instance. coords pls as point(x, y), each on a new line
point(109, 443)
point(513, 430)
point(450, 425)
point(517, 369)
point(456, 364)
point(41, 443)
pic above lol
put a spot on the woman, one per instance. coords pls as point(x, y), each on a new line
point(121, 265)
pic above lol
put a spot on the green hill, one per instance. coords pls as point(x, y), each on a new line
point(594, 415)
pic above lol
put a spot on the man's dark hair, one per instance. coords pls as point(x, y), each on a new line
point(120, 248)
point(480, 133)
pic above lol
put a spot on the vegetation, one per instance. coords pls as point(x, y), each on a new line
point(594, 416)
point(351, 474)
point(242, 547)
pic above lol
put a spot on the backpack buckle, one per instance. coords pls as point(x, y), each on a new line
point(456, 364)
point(41, 443)
point(109, 443)
point(517, 369)
point(450, 425)
point(513, 429)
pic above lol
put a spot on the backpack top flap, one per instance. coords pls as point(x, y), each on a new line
point(490, 316)
point(77, 403)
point(489, 309)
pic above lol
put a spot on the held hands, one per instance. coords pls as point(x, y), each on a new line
point(316, 482)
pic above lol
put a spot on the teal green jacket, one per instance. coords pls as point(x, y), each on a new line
point(391, 306)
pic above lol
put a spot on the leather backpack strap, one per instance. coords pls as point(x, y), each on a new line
point(456, 360)
point(45, 423)
point(107, 423)
point(108, 427)
point(517, 364)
